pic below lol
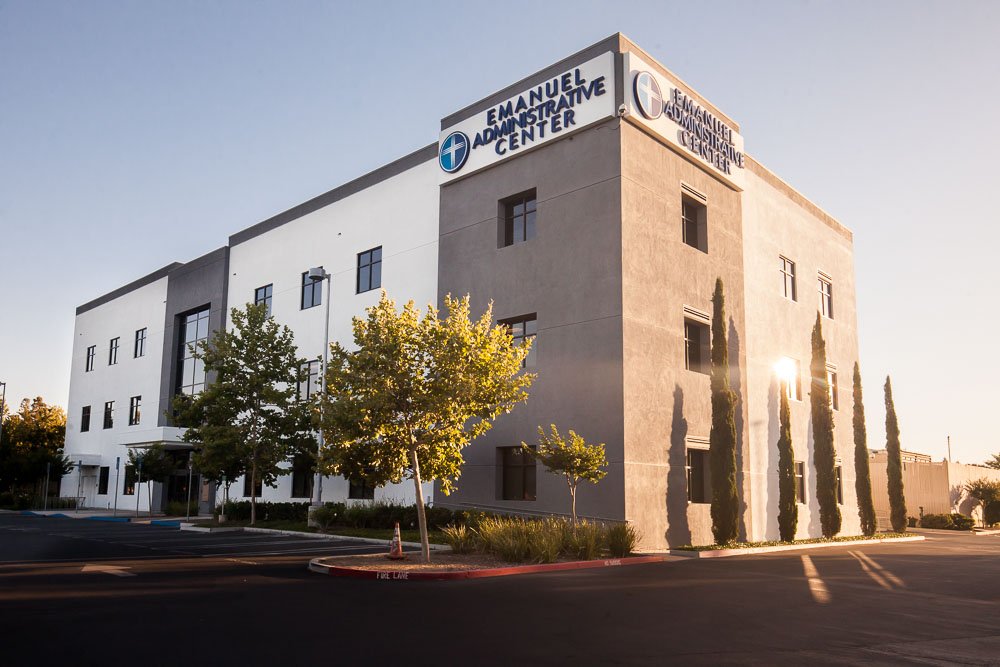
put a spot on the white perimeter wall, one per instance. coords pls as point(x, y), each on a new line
point(401, 215)
point(121, 317)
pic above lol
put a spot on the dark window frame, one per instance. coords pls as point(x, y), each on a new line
point(128, 487)
point(522, 328)
point(694, 223)
point(369, 274)
point(697, 351)
point(139, 349)
point(825, 289)
point(518, 218)
point(302, 476)
point(360, 489)
point(312, 292)
point(246, 487)
point(313, 368)
point(789, 285)
point(109, 414)
point(698, 477)
point(91, 355)
point(85, 419)
point(839, 472)
point(518, 474)
point(833, 382)
point(134, 410)
point(800, 482)
point(103, 479)
point(201, 319)
point(113, 350)
point(264, 294)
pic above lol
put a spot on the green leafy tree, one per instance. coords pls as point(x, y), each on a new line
point(788, 508)
point(862, 468)
point(987, 492)
point(251, 410)
point(152, 464)
point(722, 437)
point(993, 462)
point(571, 457)
point(824, 452)
point(415, 392)
point(894, 463)
point(32, 441)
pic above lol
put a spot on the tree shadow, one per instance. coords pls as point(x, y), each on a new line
point(771, 479)
point(678, 530)
point(736, 384)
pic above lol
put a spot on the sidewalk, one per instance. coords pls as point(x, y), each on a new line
point(129, 516)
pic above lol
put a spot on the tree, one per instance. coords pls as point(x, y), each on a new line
point(993, 462)
point(788, 509)
point(824, 452)
point(250, 413)
point(571, 457)
point(987, 492)
point(894, 463)
point(722, 437)
point(415, 392)
point(32, 442)
point(151, 465)
point(862, 468)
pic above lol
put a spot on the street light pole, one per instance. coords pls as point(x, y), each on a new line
point(190, 470)
point(316, 274)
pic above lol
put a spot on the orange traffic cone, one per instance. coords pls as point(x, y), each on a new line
point(396, 547)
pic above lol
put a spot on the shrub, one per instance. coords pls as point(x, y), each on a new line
point(461, 539)
point(583, 541)
point(327, 515)
point(992, 514)
point(936, 521)
point(622, 538)
point(962, 522)
point(240, 511)
point(911, 522)
point(545, 540)
point(506, 538)
point(180, 508)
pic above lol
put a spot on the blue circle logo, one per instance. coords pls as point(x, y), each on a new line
point(454, 152)
point(647, 95)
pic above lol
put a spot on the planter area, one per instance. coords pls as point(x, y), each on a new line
point(724, 551)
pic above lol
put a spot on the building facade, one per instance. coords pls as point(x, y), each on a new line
point(594, 203)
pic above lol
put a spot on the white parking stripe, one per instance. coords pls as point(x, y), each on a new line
point(816, 586)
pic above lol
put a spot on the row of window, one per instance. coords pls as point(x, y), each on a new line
point(138, 350)
point(134, 414)
point(699, 479)
point(789, 287)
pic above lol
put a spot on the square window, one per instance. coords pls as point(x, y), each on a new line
point(91, 353)
point(699, 481)
point(258, 487)
point(262, 295)
point(113, 352)
point(134, 410)
point(825, 297)
point(369, 270)
point(139, 350)
point(800, 482)
point(85, 419)
point(360, 489)
point(788, 278)
point(524, 329)
point(697, 346)
point(517, 219)
point(517, 474)
point(694, 223)
point(109, 414)
point(312, 291)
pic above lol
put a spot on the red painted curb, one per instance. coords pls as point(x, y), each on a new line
point(316, 565)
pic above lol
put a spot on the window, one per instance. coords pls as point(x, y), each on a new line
point(102, 481)
point(113, 352)
point(699, 482)
point(134, 409)
point(302, 477)
point(109, 414)
point(360, 490)
point(840, 485)
point(192, 330)
point(369, 270)
point(258, 487)
point(788, 278)
point(825, 297)
point(91, 353)
point(524, 328)
point(129, 488)
point(697, 346)
point(831, 381)
point(312, 291)
point(311, 384)
point(792, 374)
point(85, 419)
point(800, 482)
point(518, 223)
point(140, 343)
point(517, 474)
point(694, 223)
point(262, 295)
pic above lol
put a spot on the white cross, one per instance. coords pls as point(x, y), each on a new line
point(646, 90)
point(455, 145)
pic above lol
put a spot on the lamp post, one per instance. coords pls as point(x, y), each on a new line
point(317, 274)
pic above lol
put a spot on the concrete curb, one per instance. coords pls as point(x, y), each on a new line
point(726, 553)
point(345, 538)
point(319, 566)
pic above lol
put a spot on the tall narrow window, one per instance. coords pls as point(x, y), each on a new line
point(193, 329)
point(129, 486)
point(369, 270)
point(85, 419)
point(832, 383)
point(800, 481)
point(523, 329)
point(519, 214)
point(91, 353)
point(312, 291)
point(697, 346)
point(791, 373)
point(113, 352)
point(840, 485)
point(302, 476)
point(699, 482)
point(258, 487)
point(109, 414)
point(825, 296)
point(788, 278)
point(310, 384)
point(140, 343)
point(360, 489)
point(694, 223)
point(262, 295)
point(517, 474)
point(134, 410)
point(102, 481)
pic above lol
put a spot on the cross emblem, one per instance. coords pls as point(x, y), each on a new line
point(454, 150)
point(647, 93)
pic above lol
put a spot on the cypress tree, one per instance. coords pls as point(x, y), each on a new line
point(862, 472)
point(824, 453)
point(722, 437)
point(788, 509)
point(894, 467)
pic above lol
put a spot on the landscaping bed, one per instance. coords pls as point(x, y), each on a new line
point(749, 548)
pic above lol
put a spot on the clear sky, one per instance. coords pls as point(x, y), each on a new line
point(134, 134)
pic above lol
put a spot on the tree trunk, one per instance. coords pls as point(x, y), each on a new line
point(253, 493)
point(425, 546)
point(572, 499)
point(149, 498)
